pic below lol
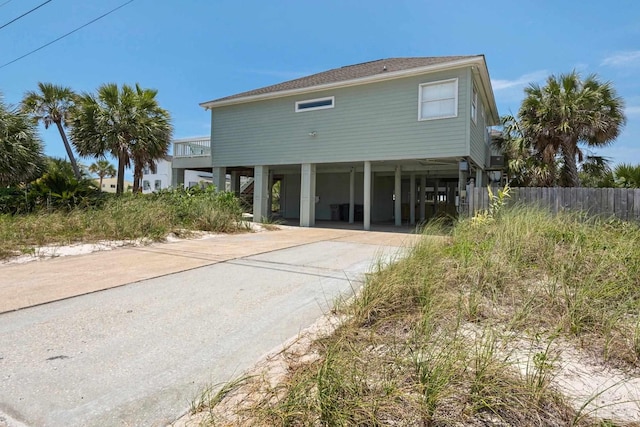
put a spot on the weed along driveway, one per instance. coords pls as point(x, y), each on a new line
point(131, 336)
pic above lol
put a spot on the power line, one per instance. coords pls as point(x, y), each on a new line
point(68, 34)
point(24, 14)
point(5, 3)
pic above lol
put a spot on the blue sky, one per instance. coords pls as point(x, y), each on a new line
point(193, 51)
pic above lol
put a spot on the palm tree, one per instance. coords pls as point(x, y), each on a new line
point(595, 171)
point(567, 112)
point(147, 150)
point(524, 166)
point(627, 176)
point(102, 168)
point(127, 123)
point(52, 104)
point(21, 152)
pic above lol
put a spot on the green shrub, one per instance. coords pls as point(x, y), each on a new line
point(129, 216)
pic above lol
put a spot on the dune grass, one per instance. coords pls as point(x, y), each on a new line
point(431, 339)
point(122, 218)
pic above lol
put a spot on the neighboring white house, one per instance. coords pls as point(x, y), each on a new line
point(196, 177)
point(166, 171)
point(159, 180)
point(191, 161)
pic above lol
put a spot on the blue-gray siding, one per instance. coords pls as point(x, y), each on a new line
point(477, 131)
point(377, 121)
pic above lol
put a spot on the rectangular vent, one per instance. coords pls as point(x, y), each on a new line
point(315, 104)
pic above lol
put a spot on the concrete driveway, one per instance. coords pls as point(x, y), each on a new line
point(130, 337)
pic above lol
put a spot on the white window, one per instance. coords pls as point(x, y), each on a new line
point(483, 123)
point(315, 104)
point(146, 185)
point(474, 105)
point(157, 185)
point(146, 170)
point(438, 100)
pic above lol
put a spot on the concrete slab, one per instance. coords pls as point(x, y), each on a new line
point(138, 354)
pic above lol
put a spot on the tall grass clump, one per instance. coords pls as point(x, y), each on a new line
point(130, 216)
point(567, 272)
point(464, 329)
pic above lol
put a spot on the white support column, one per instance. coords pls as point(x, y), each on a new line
point(177, 178)
point(307, 195)
point(367, 196)
point(352, 195)
point(373, 184)
point(313, 195)
point(423, 195)
point(436, 199)
point(479, 180)
point(235, 182)
point(219, 178)
point(270, 192)
point(462, 186)
point(398, 193)
point(412, 200)
point(260, 193)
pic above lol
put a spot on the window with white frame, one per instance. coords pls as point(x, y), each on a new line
point(315, 104)
point(438, 100)
point(146, 185)
point(474, 105)
point(483, 123)
point(157, 185)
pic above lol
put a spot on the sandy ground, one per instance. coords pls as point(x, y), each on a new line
point(42, 253)
point(592, 389)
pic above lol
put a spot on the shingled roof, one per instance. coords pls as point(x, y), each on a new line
point(349, 72)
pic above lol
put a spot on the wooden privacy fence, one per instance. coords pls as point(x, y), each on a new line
point(623, 203)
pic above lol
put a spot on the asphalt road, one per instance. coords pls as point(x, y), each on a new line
point(138, 354)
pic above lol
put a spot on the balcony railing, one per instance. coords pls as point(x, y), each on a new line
point(192, 147)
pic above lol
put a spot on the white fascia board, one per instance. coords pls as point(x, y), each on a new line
point(354, 82)
point(493, 116)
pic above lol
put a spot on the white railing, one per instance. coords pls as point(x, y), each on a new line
point(192, 147)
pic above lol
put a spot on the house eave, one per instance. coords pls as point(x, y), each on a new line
point(488, 92)
point(479, 60)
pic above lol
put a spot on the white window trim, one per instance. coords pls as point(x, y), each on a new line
point(455, 101)
point(323, 107)
point(474, 103)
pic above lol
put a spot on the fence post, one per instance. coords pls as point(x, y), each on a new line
point(470, 197)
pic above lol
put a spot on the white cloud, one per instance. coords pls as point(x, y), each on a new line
point(519, 82)
point(622, 59)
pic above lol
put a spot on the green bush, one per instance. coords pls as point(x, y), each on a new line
point(15, 200)
point(129, 216)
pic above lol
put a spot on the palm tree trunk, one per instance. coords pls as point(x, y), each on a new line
point(101, 177)
point(570, 172)
point(137, 176)
point(120, 185)
point(67, 147)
